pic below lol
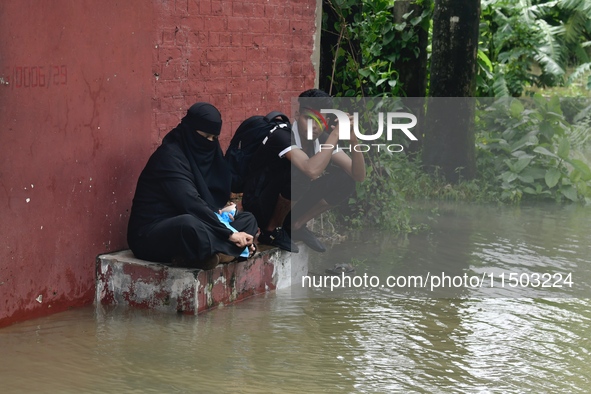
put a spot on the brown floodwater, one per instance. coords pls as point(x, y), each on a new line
point(359, 340)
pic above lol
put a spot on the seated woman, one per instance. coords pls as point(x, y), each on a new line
point(181, 196)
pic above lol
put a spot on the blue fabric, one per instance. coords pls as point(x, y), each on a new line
point(224, 217)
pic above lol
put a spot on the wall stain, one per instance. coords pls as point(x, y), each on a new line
point(92, 124)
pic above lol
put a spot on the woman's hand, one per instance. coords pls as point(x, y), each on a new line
point(229, 208)
point(241, 239)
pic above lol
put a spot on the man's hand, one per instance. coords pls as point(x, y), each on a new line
point(354, 140)
point(335, 129)
point(354, 165)
point(241, 239)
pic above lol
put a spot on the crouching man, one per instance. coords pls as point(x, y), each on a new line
point(294, 179)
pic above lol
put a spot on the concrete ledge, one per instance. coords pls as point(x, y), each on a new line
point(122, 279)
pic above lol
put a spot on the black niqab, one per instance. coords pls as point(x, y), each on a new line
point(211, 174)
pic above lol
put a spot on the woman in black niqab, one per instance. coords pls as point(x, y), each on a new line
point(185, 182)
point(210, 171)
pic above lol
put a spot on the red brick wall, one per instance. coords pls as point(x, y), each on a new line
point(245, 57)
point(88, 89)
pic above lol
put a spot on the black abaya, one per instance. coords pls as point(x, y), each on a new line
point(185, 181)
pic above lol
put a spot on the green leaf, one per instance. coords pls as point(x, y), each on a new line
point(544, 151)
point(392, 57)
point(388, 37)
point(528, 140)
point(509, 133)
point(569, 192)
point(526, 178)
point(364, 72)
point(529, 190)
point(484, 59)
point(521, 163)
point(552, 177)
point(580, 71)
point(400, 26)
point(508, 176)
point(387, 27)
point(582, 168)
point(563, 148)
point(575, 176)
point(500, 87)
point(416, 21)
point(534, 172)
point(519, 153)
point(516, 108)
point(582, 187)
point(548, 130)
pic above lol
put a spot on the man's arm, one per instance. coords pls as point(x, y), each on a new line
point(313, 166)
point(354, 165)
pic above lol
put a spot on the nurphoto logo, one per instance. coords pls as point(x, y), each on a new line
point(343, 122)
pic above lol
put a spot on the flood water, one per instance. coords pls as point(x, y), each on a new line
point(362, 340)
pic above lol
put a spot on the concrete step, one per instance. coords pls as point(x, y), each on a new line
point(122, 279)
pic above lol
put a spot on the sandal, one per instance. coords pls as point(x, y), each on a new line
point(253, 251)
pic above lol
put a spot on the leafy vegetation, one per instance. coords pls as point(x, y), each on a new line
point(388, 199)
point(524, 44)
point(369, 43)
point(529, 148)
point(533, 148)
point(529, 43)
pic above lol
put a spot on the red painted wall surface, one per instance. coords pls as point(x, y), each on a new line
point(88, 89)
point(245, 57)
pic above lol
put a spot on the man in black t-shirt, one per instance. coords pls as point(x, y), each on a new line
point(292, 180)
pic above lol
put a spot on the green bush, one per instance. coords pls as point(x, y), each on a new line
point(526, 147)
point(369, 44)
